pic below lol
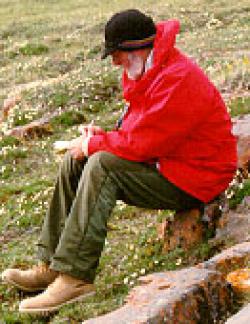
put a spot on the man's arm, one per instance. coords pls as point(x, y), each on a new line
point(171, 115)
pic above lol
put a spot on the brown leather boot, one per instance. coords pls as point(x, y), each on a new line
point(64, 290)
point(35, 279)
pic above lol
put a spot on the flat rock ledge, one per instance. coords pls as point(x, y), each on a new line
point(192, 295)
point(242, 317)
point(229, 260)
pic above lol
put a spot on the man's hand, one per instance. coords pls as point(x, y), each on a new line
point(89, 130)
point(75, 148)
point(76, 145)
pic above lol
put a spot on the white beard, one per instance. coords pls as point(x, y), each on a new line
point(136, 66)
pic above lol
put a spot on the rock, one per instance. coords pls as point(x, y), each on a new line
point(233, 258)
point(189, 228)
point(183, 231)
point(243, 148)
point(240, 281)
point(242, 317)
point(244, 206)
point(187, 296)
point(234, 225)
point(34, 129)
point(241, 125)
point(194, 295)
point(241, 128)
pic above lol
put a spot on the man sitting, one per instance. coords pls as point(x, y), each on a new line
point(172, 149)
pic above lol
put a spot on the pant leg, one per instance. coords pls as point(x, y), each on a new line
point(105, 179)
point(60, 205)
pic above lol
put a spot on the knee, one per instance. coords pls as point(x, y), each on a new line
point(103, 159)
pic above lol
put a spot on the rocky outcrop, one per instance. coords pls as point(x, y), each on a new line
point(235, 257)
point(198, 294)
point(234, 225)
point(189, 228)
point(241, 128)
point(32, 130)
point(187, 296)
point(242, 317)
point(184, 230)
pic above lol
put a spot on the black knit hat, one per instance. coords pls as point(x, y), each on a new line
point(128, 30)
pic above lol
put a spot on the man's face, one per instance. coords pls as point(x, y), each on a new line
point(120, 58)
point(131, 62)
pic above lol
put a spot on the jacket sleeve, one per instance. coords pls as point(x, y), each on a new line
point(169, 117)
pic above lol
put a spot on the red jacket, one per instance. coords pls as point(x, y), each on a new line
point(176, 117)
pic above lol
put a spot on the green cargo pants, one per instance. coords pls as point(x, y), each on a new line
point(75, 226)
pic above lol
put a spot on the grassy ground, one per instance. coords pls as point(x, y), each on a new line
point(50, 56)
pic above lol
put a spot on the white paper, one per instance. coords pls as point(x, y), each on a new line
point(61, 146)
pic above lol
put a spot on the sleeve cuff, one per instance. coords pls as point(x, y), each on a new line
point(85, 146)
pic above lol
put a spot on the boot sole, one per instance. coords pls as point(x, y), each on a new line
point(48, 310)
point(15, 284)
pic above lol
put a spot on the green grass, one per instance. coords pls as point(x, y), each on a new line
point(239, 194)
point(68, 118)
point(33, 49)
point(240, 106)
point(50, 53)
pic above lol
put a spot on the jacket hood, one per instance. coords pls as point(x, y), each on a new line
point(163, 46)
point(165, 39)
